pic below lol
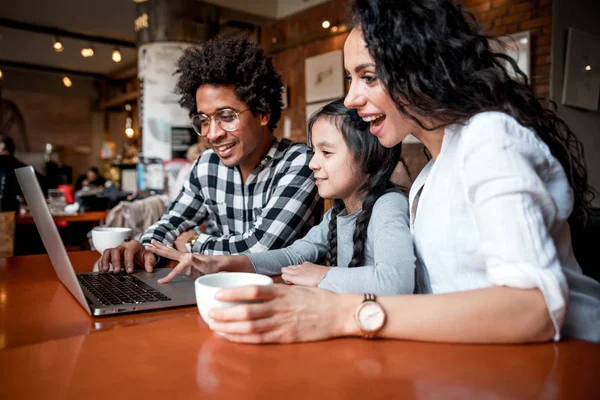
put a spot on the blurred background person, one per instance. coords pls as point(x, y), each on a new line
point(91, 178)
point(9, 188)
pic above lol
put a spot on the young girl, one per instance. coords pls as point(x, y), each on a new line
point(365, 235)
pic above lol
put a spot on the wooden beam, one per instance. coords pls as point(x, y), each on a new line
point(25, 26)
point(119, 100)
point(47, 68)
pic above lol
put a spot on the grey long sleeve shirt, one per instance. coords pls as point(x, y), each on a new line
point(389, 260)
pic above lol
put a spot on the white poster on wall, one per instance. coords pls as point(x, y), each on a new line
point(160, 113)
point(324, 77)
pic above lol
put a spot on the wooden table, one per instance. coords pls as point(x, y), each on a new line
point(51, 348)
point(87, 216)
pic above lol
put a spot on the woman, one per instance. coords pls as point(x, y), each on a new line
point(488, 213)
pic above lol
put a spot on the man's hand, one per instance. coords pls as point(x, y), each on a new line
point(128, 253)
point(182, 239)
point(306, 274)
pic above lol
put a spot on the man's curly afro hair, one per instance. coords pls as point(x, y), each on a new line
point(234, 61)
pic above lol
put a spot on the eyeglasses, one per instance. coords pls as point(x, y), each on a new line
point(227, 119)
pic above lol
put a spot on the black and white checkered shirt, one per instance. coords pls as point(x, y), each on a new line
point(276, 205)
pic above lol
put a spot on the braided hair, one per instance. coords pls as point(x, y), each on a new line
point(371, 159)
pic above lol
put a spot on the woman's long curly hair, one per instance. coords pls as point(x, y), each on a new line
point(371, 158)
point(236, 61)
point(434, 60)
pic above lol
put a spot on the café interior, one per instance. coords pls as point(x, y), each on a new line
point(86, 97)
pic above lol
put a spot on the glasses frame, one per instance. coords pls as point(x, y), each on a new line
point(212, 117)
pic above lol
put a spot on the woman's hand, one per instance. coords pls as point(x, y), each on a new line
point(187, 261)
point(306, 274)
point(287, 314)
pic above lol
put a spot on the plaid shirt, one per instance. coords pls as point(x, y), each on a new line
point(276, 205)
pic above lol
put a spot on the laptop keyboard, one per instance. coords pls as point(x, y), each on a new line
point(115, 289)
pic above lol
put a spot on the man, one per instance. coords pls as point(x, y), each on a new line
point(91, 178)
point(251, 192)
point(9, 188)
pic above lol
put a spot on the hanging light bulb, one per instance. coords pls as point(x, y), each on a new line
point(67, 81)
point(116, 56)
point(128, 122)
point(87, 51)
point(326, 24)
point(58, 46)
point(1, 74)
point(128, 129)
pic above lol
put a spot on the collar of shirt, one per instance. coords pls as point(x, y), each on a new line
point(276, 152)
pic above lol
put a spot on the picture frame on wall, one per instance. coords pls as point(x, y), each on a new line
point(324, 77)
point(518, 47)
point(581, 82)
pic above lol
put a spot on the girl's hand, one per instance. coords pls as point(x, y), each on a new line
point(286, 314)
point(187, 261)
point(306, 274)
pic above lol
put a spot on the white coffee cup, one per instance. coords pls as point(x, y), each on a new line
point(106, 237)
point(206, 286)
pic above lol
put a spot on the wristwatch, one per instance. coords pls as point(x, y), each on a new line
point(369, 316)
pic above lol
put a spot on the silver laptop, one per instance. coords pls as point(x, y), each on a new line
point(102, 293)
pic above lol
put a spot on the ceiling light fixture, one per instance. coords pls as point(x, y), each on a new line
point(87, 52)
point(67, 81)
point(588, 67)
point(58, 46)
point(326, 24)
point(334, 28)
point(116, 56)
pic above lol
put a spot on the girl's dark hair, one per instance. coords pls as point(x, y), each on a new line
point(434, 60)
point(371, 158)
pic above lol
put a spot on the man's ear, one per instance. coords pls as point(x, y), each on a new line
point(264, 119)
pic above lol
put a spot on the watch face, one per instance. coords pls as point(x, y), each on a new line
point(370, 316)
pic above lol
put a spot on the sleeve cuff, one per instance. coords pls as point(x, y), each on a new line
point(526, 276)
point(200, 244)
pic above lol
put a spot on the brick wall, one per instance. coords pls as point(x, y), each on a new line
point(497, 17)
point(64, 121)
point(70, 123)
point(290, 63)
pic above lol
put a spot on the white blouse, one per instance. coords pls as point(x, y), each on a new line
point(492, 210)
